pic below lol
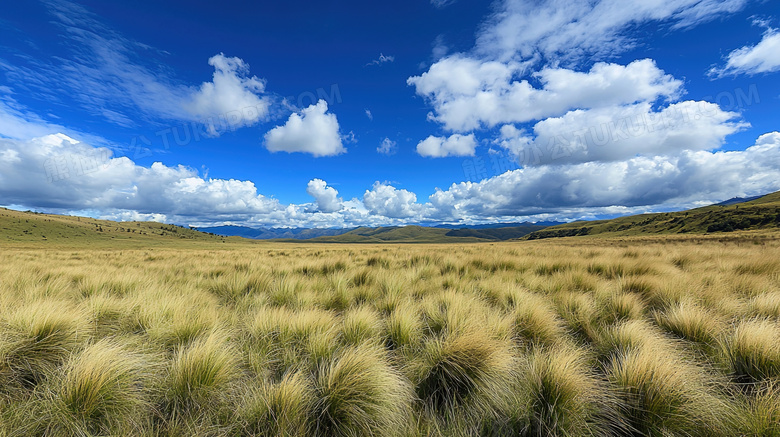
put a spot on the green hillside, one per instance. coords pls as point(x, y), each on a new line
point(761, 213)
point(19, 228)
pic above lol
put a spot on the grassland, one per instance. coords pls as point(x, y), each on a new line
point(574, 337)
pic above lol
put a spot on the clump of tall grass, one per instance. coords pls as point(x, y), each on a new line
point(627, 337)
point(535, 322)
point(579, 313)
point(617, 307)
point(36, 338)
point(762, 415)
point(109, 315)
point(281, 409)
point(763, 267)
point(692, 322)
point(557, 395)
point(360, 325)
point(660, 394)
point(404, 327)
point(104, 390)
point(766, 305)
point(753, 350)
point(282, 338)
point(452, 312)
point(200, 375)
point(467, 371)
point(232, 288)
point(357, 393)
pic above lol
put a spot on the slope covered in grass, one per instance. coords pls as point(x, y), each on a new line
point(24, 227)
point(760, 213)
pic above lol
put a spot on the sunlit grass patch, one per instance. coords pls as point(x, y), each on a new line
point(104, 390)
point(690, 321)
point(281, 409)
point(359, 393)
point(559, 396)
point(468, 372)
point(753, 350)
point(200, 375)
point(35, 339)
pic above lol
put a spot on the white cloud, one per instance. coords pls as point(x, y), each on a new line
point(467, 94)
point(454, 145)
point(313, 130)
point(569, 30)
point(231, 94)
point(388, 201)
point(381, 60)
point(124, 81)
point(690, 177)
point(763, 57)
point(369, 115)
point(621, 132)
point(387, 147)
point(327, 198)
point(56, 171)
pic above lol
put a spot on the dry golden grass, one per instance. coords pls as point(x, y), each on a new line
point(584, 337)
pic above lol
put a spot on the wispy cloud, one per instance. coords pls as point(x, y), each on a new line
point(763, 57)
point(442, 3)
point(387, 147)
point(571, 30)
point(381, 60)
point(124, 82)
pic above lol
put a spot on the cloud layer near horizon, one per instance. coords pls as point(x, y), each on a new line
point(60, 174)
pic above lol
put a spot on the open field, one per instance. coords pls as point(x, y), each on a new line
point(643, 336)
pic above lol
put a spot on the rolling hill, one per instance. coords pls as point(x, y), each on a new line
point(20, 227)
point(759, 213)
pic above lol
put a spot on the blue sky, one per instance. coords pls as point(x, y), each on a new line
point(334, 114)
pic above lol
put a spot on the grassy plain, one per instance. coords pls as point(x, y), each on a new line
point(574, 337)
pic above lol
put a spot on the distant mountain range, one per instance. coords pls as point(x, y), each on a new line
point(493, 231)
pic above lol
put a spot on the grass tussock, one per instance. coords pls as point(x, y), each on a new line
point(559, 396)
point(753, 350)
point(102, 390)
point(467, 372)
point(360, 393)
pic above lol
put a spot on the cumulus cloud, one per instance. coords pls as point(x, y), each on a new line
point(467, 94)
point(454, 145)
point(56, 171)
point(387, 147)
point(682, 179)
point(327, 198)
point(763, 57)
point(621, 132)
point(388, 201)
point(231, 94)
point(313, 130)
